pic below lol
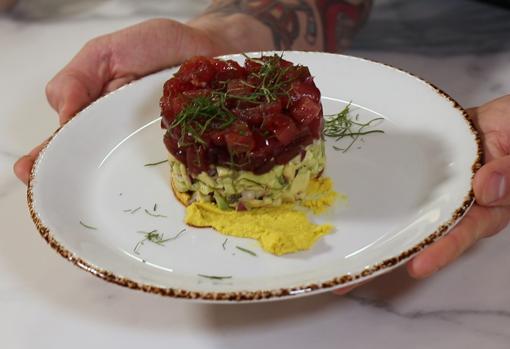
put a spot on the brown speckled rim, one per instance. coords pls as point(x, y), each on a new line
point(275, 294)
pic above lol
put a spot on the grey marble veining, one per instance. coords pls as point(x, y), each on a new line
point(457, 316)
point(436, 27)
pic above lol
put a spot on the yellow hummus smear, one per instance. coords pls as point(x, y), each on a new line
point(320, 195)
point(280, 230)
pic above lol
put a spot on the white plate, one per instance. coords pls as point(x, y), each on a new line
point(406, 188)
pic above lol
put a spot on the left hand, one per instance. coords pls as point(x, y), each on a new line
point(107, 62)
point(491, 211)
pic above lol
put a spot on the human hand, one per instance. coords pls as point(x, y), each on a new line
point(491, 211)
point(110, 61)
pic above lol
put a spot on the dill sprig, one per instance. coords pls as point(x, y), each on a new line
point(214, 277)
point(245, 250)
point(87, 226)
point(132, 210)
point(201, 113)
point(155, 163)
point(274, 80)
point(342, 125)
point(157, 215)
point(154, 237)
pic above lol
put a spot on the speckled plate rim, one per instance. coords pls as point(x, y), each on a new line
point(271, 294)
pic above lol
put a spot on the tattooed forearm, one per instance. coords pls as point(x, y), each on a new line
point(298, 24)
point(341, 20)
point(280, 16)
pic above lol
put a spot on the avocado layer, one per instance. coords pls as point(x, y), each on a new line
point(229, 188)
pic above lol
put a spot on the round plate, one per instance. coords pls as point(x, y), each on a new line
point(91, 196)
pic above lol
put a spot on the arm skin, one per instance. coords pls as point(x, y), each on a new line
point(320, 25)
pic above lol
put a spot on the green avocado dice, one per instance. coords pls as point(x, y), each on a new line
point(282, 184)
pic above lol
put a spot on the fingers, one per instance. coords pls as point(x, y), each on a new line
point(479, 222)
point(110, 61)
point(344, 290)
point(117, 83)
point(497, 107)
point(104, 64)
point(82, 80)
point(23, 166)
point(491, 183)
point(68, 93)
point(490, 186)
point(492, 120)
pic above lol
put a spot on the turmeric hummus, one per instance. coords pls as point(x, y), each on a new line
point(280, 230)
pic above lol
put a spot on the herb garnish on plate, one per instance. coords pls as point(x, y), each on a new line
point(342, 125)
point(245, 250)
point(155, 237)
point(87, 226)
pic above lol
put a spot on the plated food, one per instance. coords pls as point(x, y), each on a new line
point(406, 189)
point(243, 137)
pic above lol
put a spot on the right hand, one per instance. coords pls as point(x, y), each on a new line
point(110, 61)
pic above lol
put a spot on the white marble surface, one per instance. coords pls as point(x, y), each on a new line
point(45, 302)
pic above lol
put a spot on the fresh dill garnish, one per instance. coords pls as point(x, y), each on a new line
point(155, 207)
point(224, 243)
point(135, 210)
point(245, 250)
point(215, 277)
point(156, 163)
point(149, 236)
point(88, 226)
point(127, 210)
point(203, 113)
point(154, 237)
point(256, 60)
point(154, 215)
point(342, 125)
point(176, 235)
point(274, 80)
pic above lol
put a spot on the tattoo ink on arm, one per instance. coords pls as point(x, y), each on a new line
point(297, 24)
point(341, 20)
point(281, 17)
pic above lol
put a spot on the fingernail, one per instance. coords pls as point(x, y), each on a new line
point(19, 171)
point(496, 188)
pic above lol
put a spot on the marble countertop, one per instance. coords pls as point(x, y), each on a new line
point(46, 302)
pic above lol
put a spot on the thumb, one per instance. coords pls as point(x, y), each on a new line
point(69, 92)
point(490, 184)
